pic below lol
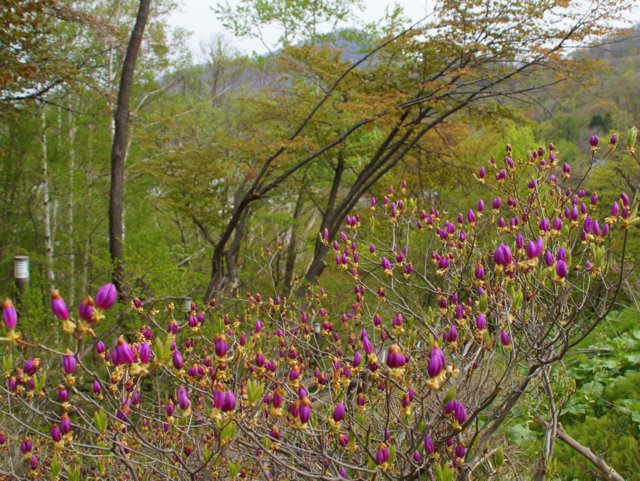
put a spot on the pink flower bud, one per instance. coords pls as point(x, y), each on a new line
point(106, 296)
point(86, 310)
point(69, 363)
point(183, 398)
point(58, 306)
point(9, 314)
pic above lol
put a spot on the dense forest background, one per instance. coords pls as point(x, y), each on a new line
point(199, 136)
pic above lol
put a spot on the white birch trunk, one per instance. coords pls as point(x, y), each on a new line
point(46, 201)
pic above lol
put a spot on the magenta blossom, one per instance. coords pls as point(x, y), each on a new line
point(9, 314)
point(69, 363)
point(106, 296)
point(58, 306)
point(86, 309)
point(183, 398)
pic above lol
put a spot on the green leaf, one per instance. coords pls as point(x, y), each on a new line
point(234, 469)
point(254, 391)
point(484, 303)
point(228, 431)
point(521, 433)
point(74, 474)
point(100, 419)
point(451, 393)
point(7, 363)
point(55, 467)
point(634, 359)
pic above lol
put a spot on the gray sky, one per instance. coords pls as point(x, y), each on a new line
point(198, 17)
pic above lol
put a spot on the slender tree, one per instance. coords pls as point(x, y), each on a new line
point(119, 147)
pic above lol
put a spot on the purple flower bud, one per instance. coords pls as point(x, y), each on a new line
point(557, 223)
point(436, 362)
point(479, 272)
point(497, 203)
point(502, 255)
point(614, 140)
point(221, 346)
point(106, 296)
point(505, 338)
point(562, 254)
point(229, 401)
point(356, 359)
point(58, 306)
point(545, 225)
point(178, 360)
point(534, 249)
point(26, 446)
point(63, 394)
point(169, 409)
point(100, 347)
point(31, 366)
point(625, 199)
point(482, 172)
point(69, 363)
point(471, 217)
point(382, 454)
point(593, 141)
point(429, 447)
point(509, 161)
point(144, 353)
point(549, 258)
point(366, 343)
point(33, 462)
point(86, 310)
point(452, 334)
point(9, 314)
point(460, 451)
point(615, 209)
point(481, 322)
point(97, 388)
point(305, 410)
point(56, 435)
point(65, 424)
point(386, 265)
point(339, 412)
point(183, 398)
point(395, 358)
point(123, 354)
point(417, 456)
point(460, 413)
point(520, 241)
point(562, 269)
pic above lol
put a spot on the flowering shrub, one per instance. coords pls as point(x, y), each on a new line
point(453, 317)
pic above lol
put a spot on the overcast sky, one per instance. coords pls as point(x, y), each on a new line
point(198, 17)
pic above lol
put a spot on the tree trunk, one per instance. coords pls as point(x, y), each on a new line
point(227, 256)
point(46, 201)
point(72, 168)
point(292, 250)
point(119, 147)
point(328, 222)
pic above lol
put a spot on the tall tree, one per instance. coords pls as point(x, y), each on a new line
point(119, 146)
